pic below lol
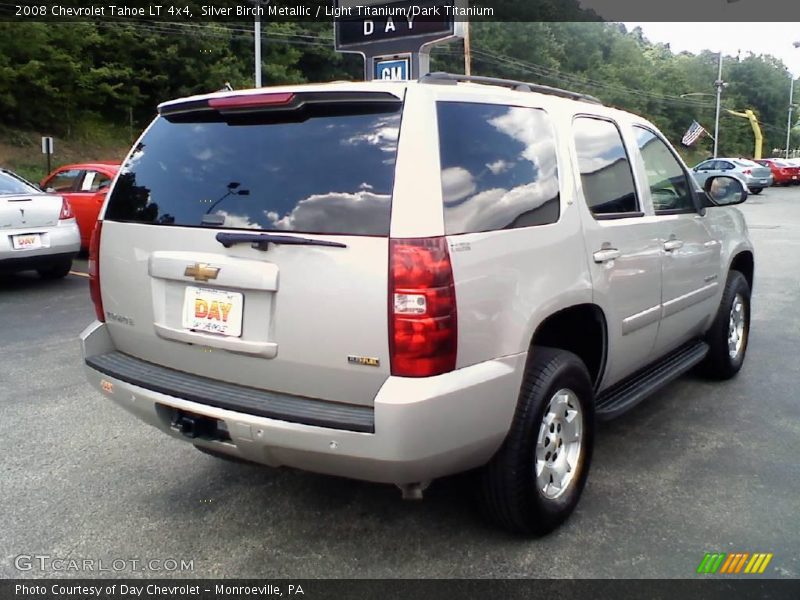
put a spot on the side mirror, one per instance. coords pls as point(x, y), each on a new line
point(50, 190)
point(724, 190)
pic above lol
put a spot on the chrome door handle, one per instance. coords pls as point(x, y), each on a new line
point(671, 245)
point(605, 255)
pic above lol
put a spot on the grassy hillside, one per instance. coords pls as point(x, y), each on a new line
point(21, 151)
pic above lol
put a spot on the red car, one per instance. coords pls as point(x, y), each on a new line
point(784, 173)
point(85, 186)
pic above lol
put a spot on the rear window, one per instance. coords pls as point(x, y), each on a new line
point(329, 173)
point(743, 162)
point(499, 168)
point(11, 184)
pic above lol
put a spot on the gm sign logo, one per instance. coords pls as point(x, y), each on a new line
point(394, 69)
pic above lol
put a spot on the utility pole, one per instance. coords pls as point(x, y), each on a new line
point(258, 48)
point(719, 84)
point(791, 106)
point(258, 4)
point(789, 122)
point(467, 51)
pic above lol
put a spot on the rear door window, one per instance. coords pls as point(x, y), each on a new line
point(499, 168)
point(331, 172)
point(93, 181)
point(606, 174)
point(65, 181)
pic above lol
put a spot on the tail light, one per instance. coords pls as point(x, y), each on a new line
point(94, 272)
point(423, 327)
point(66, 210)
point(747, 171)
point(251, 100)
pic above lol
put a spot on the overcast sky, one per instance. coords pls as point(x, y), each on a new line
point(758, 38)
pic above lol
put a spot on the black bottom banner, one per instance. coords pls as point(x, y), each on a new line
point(388, 589)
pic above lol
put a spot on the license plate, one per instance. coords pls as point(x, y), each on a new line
point(28, 241)
point(213, 311)
point(764, 180)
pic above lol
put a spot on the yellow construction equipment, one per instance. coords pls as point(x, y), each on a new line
point(751, 116)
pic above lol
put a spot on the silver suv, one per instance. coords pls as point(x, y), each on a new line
point(397, 282)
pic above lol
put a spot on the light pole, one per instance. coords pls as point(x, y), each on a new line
point(719, 84)
point(791, 106)
point(789, 122)
point(258, 4)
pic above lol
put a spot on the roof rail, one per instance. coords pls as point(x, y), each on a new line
point(519, 86)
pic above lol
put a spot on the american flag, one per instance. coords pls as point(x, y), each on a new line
point(695, 131)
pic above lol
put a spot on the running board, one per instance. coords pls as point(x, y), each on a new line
point(626, 394)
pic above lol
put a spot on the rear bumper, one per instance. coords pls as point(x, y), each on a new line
point(759, 182)
point(422, 428)
point(60, 243)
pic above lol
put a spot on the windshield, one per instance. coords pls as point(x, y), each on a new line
point(332, 173)
point(12, 184)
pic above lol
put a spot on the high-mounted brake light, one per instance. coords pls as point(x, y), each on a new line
point(66, 210)
point(423, 325)
point(94, 272)
point(251, 100)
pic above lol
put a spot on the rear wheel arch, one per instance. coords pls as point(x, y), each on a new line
point(580, 329)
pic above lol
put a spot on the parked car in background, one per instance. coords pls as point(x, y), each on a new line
point(783, 171)
point(37, 230)
point(84, 185)
point(755, 176)
point(795, 162)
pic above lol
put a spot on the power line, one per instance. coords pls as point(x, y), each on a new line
point(571, 79)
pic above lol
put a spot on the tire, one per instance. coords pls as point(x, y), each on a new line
point(720, 362)
point(756, 191)
point(55, 271)
point(510, 492)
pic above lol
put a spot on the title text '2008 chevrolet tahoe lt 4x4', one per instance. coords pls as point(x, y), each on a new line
point(398, 281)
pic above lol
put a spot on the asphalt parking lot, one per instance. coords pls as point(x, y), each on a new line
point(700, 467)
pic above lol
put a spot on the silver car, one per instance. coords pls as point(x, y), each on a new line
point(287, 276)
point(37, 230)
point(754, 175)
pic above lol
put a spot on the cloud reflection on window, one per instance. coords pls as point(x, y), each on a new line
point(333, 213)
point(499, 167)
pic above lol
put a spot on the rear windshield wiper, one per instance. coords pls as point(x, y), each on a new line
point(261, 241)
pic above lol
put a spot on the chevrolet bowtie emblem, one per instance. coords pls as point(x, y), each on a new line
point(201, 272)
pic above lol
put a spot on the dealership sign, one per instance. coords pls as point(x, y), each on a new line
point(394, 32)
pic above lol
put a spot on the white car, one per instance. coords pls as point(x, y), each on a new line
point(37, 230)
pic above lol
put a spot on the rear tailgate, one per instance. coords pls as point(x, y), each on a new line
point(306, 318)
